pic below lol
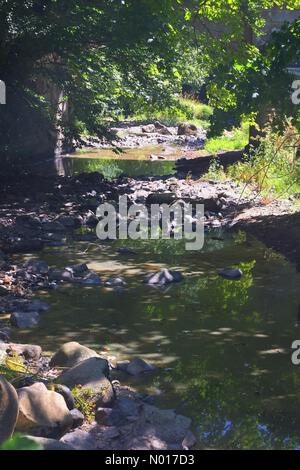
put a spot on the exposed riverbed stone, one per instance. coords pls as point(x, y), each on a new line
point(91, 374)
point(148, 129)
point(60, 275)
point(231, 273)
point(135, 367)
point(187, 129)
point(71, 354)
point(133, 425)
point(78, 269)
point(24, 320)
point(66, 393)
point(9, 409)
point(50, 444)
point(28, 351)
point(91, 279)
point(42, 412)
point(161, 198)
point(78, 418)
point(115, 282)
point(80, 440)
point(163, 277)
point(36, 266)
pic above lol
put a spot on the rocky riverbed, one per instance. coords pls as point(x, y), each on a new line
point(35, 213)
point(129, 134)
point(74, 400)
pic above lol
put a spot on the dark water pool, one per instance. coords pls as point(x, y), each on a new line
point(223, 348)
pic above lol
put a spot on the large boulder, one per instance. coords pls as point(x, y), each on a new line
point(90, 374)
point(9, 409)
point(42, 412)
point(148, 129)
point(162, 129)
point(187, 129)
point(70, 354)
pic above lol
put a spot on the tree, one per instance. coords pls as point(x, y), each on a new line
point(98, 53)
point(248, 79)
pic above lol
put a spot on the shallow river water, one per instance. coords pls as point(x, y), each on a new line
point(222, 348)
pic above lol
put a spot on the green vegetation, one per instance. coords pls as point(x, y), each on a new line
point(183, 109)
point(272, 169)
point(12, 366)
point(237, 139)
point(85, 401)
point(19, 442)
point(110, 59)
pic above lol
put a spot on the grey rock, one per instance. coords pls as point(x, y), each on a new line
point(42, 412)
point(9, 409)
point(36, 266)
point(80, 440)
point(149, 129)
point(103, 416)
point(115, 282)
point(187, 129)
point(50, 444)
point(91, 279)
point(162, 129)
point(28, 351)
point(231, 273)
point(78, 269)
point(66, 393)
point(163, 277)
point(135, 367)
point(78, 418)
point(60, 275)
point(189, 441)
point(24, 320)
point(71, 354)
point(91, 374)
point(161, 198)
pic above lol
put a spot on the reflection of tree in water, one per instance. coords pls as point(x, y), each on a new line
point(226, 418)
point(112, 168)
point(221, 295)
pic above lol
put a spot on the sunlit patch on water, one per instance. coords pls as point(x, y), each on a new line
point(223, 348)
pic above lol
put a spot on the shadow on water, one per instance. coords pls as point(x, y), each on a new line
point(222, 347)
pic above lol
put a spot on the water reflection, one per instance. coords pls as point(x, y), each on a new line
point(224, 347)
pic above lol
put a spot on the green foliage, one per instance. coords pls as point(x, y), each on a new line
point(215, 171)
point(182, 109)
point(85, 401)
point(12, 366)
point(273, 168)
point(19, 442)
point(237, 139)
